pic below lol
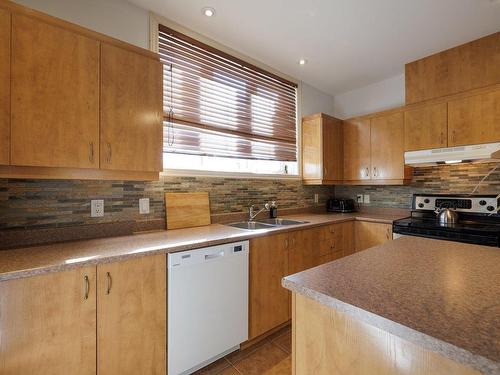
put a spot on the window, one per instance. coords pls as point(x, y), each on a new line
point(222, 114)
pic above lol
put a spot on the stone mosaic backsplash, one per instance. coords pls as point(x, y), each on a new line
point(443, 179)
point(33, 204)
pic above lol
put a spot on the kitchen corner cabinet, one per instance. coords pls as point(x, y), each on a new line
point(131, 316)
point(474, 119)
point(55, 96)
point(131, 111)
point(426, 127)
point(322, 150)
point(5, 88)
point(109, 319)
point(48, 324)
point(374, 150)
point(368, 234)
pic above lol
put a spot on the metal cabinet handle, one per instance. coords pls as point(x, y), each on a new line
point(87, 287)
point(110, 281)
point(324, 172)
point(110, 152)
point(293, 241)
point(286, 243)
point(91, 152)
point(442, 138)
point(367, 170)
point(388, 234)
point(374, 171)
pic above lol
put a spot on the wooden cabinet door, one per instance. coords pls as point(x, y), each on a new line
point(5, 87)
point(387, 147)
point(48, 324)
point(304, 249)
point(474, 120)
point(357, 153)
point(426, 127)
point(368, 234)
point(131, 111)
point(131, 316)
point(55, 96)
point(312, 148)
point(269, 303)
point(333, 153)
point(348, 247)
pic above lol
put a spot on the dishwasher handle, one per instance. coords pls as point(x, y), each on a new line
point(214, 255)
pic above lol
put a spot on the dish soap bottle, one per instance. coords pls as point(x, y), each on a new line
point(273, 210)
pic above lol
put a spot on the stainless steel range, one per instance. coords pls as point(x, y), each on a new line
point(472, 219)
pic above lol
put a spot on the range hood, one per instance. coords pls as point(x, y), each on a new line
point(483, 152)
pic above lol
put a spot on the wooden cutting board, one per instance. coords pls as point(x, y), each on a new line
point(185, 210)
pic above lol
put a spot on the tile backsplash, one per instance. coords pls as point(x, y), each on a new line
point(34, 204)
point(443, 179)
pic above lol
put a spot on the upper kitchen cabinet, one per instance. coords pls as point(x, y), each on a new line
point(374, 150)
point(55, 96)
point(460, 69)
point(131, 110)
point(426, 127)
point(357, 153)
point(474, 119)
point(387, 147)
point(5, 88)
point(322, 150)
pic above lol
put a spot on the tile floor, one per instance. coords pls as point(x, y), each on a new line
point(271, 356)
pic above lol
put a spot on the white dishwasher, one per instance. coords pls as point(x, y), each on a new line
point(207, 305)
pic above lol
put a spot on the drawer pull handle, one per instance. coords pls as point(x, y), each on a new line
point(214, 256)
point(110, 281)
point(91, 152)
point(87, 287)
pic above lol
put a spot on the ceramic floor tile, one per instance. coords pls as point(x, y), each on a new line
point(264, 359)
point(284, 341)
point(230, 371)
point(282, 368)
point(240, 354)
point(215, 368)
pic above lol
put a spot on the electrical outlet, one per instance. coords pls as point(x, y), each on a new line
point(316, 198)
point(366, 198)
point(97, 208)
point(359, 198)
point(144, 206)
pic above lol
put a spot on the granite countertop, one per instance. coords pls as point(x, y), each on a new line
point(442, 295)
point(29, 261)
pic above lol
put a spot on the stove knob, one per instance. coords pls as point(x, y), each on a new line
point(421, 205)
point(490, 208)
point(482, 202)
point(426, 200)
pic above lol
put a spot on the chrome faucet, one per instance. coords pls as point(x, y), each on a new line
point(252, 214)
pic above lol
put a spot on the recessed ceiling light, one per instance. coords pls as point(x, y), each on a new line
point(302, 62)
point(209, 12)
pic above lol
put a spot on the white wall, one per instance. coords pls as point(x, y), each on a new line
point(314, 101)
point(115, 18)
point(378, 96)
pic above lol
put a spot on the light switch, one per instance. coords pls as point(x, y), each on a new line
point(367, 198)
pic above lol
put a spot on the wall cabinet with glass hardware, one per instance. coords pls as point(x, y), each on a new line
point(82, 105)
point(111, 317)
point(322, 150)
point(276, 256)
point(374, 150)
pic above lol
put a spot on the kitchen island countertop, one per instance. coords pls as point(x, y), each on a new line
point(441, 295)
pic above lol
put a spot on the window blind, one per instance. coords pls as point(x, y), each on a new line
point(221, 106)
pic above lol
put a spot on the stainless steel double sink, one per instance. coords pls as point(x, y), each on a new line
point(265, 224)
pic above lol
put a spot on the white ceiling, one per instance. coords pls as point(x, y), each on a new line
point(347, 43)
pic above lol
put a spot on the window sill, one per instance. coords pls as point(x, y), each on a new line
point(242, 175)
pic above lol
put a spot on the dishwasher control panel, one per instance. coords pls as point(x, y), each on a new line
point(206, 254)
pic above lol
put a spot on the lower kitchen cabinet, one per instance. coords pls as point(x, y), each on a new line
point(48, 324)
point(276, 256)
point(109, 319)
point(269, 304)
point(369, 234)
point(131, 317)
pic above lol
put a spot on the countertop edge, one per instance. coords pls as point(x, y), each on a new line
point(457, 354)
point(245, 235)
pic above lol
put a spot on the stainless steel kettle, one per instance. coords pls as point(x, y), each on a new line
point(446, 216)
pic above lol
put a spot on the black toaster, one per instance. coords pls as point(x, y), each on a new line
point(340, 205)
